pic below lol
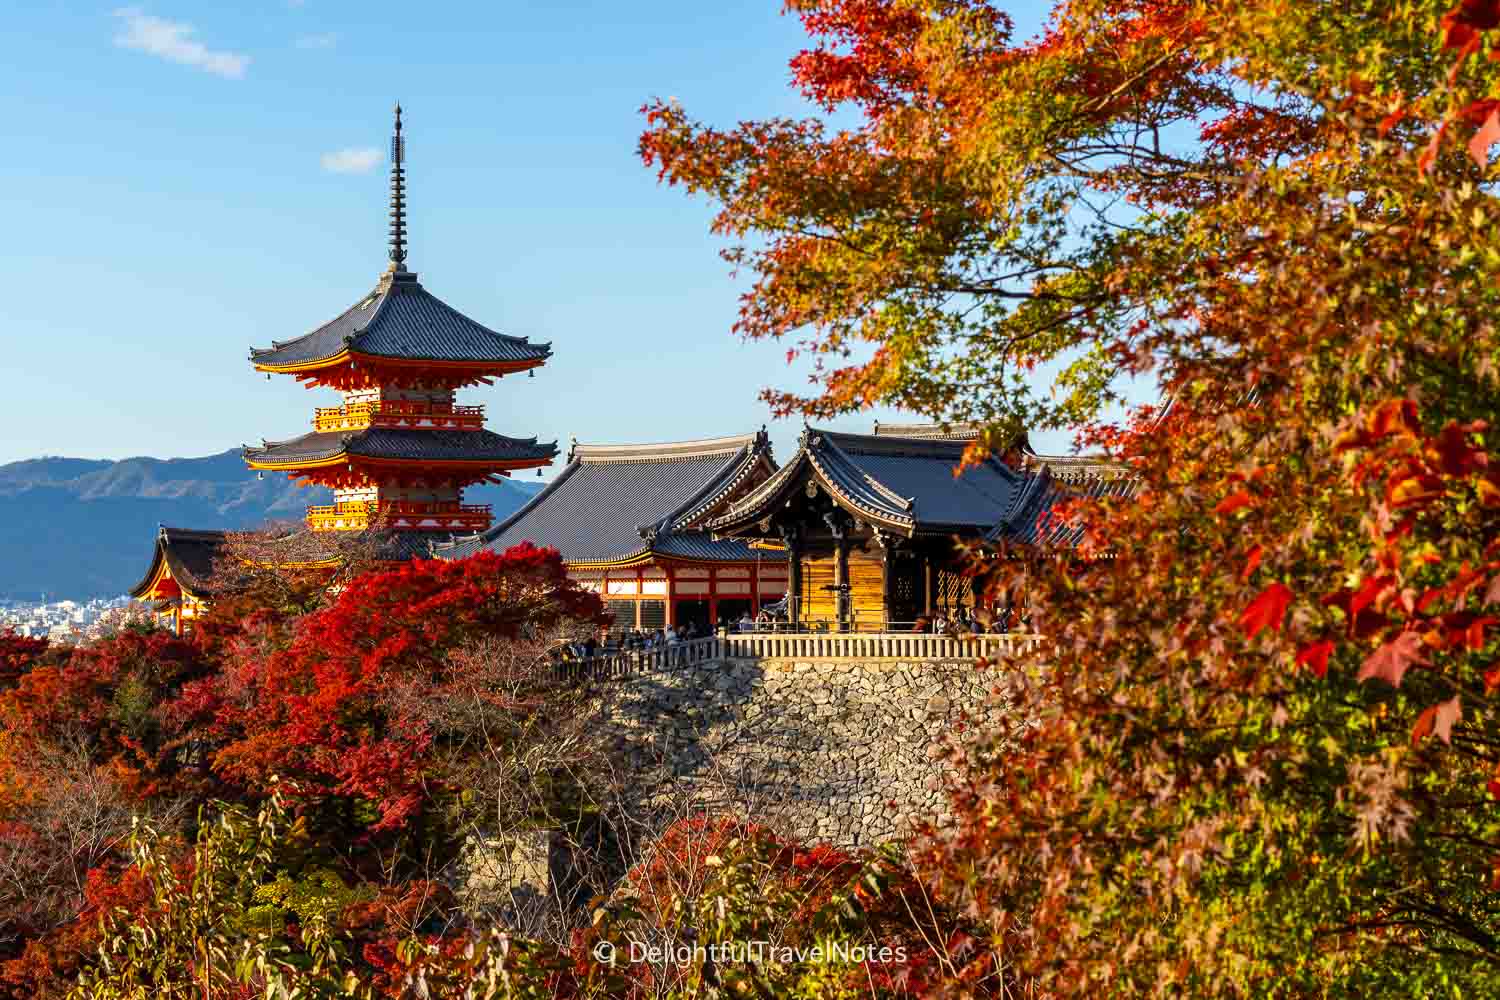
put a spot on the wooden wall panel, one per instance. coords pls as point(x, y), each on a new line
point(866, 582)
point(817, 603)
point(866, 588)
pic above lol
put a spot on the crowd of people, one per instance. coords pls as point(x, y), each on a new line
point(640, 639)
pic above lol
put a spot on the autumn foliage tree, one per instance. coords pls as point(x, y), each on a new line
point(1267, 746)
point(829, 922)
point(343, 709)
point(318, 712)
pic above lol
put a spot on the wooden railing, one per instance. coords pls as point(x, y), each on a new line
point(401, 413)
point(798, 646)
point(642, 661)
point(873, 645)
point(358, 515)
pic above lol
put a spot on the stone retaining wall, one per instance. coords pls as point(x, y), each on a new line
point(846, 751)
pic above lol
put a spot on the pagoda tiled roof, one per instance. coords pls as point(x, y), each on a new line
point(904, 484)
point(189, 555)
point(402, 320)
point(402, 444)
point(621, 503)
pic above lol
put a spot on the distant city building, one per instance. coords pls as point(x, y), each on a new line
point(68, 622)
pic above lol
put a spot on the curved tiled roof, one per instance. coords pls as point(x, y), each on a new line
point(907, 484)
point(1054, 478)
point(616, 503)
point(188, 554)
point(402, 445)
point(402, 320)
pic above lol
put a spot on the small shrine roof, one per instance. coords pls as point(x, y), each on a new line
point(188, 555)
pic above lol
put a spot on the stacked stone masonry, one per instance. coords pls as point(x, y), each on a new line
point(846, 751)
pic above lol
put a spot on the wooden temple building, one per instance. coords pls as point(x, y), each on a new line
point(399, 450)
point(629, 522)
point(872, 524)
point(179, 583)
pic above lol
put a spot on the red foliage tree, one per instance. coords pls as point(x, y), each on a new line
point(18, 654)
point(319, 714)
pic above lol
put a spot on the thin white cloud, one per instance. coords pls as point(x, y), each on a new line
point(324, 41)
point(352, 161)
point(173, 41)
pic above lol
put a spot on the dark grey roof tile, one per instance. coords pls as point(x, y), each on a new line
point(614, 503)
point(401, 319)
point(393, 443)
point(189, 554)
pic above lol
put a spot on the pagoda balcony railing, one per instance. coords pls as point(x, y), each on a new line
point(399, 413)
point(399, 515)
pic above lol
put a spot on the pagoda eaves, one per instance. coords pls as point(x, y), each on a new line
point(401, 331)
point(399, 451)
point(387, 446)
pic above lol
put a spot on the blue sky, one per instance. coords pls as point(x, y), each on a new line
point(179, 181)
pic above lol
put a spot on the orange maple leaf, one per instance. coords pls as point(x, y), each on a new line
point(1487, 136)
point(1234, 502)
point(1438, 721)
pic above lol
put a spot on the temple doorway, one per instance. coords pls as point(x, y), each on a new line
point(732, 608)
point(690, 612)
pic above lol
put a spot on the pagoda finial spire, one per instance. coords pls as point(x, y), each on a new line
point(398, 197)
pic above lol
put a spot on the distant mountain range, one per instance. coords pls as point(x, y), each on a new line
point(80, 528)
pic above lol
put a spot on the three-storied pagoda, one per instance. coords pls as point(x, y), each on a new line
point(400, 450)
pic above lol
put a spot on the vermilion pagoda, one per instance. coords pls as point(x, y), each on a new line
point(400, 451)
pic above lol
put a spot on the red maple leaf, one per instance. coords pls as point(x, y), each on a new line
point(1390, 662)
point(1315, 656)
point(1252, 560)
point(1487, 136)
point(1394, 416)
point(1267, 610)
point(1462, 24)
